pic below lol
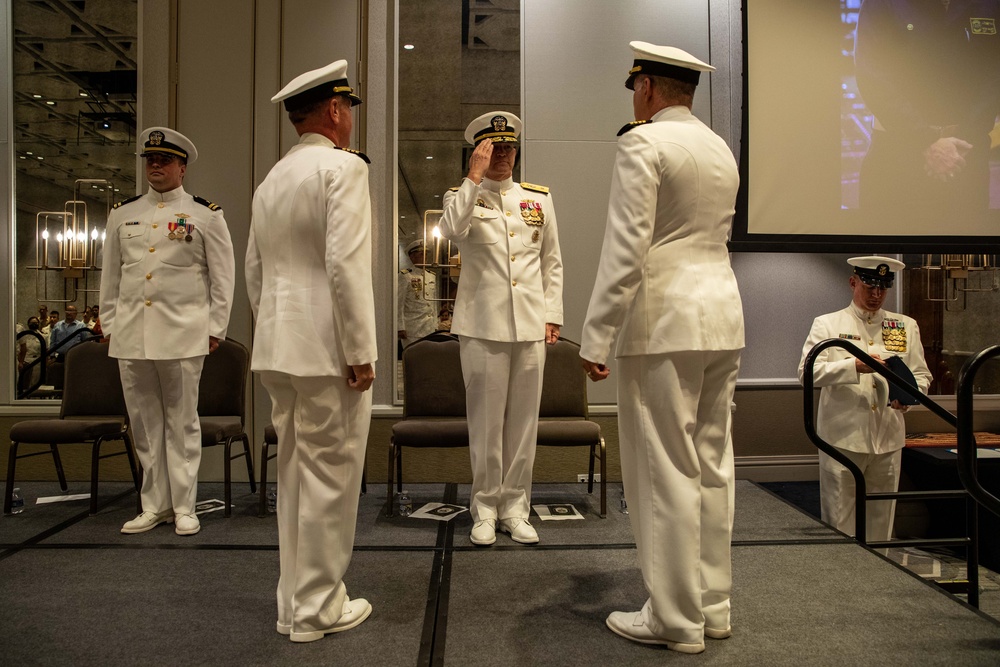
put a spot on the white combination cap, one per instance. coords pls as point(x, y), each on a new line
point(498, 126)
point(668, 61)
point(167, 141)
point(876, 271)
point(315, 85)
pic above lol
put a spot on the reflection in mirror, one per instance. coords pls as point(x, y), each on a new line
point(457, 60)
point(74, 84)
point(955, 299)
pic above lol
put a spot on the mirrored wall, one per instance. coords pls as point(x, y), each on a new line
point(74, 81)
point(456, 61)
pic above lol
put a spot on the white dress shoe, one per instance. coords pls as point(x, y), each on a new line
point(283, 628)
point(484, 533)
point(186, 524)
point(714, 633)
point(631, 625)
point(355, 612)
point(520, 530)
point(147, 521)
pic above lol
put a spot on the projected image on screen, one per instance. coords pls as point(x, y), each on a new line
point(871, 121)
point(925, 99)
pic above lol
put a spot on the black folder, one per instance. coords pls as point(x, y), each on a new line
point(898, 366)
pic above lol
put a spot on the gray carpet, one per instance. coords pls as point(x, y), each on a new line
point(77, 592)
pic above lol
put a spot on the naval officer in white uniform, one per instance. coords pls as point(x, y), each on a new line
point(166, 295)
point(665, 287)
point(855, 414)
point(308, 271)
point(509, 305)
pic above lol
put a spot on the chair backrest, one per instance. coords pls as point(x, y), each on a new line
point(433, 385)
point(222, 390)
point(564, 386)
point(93, 386)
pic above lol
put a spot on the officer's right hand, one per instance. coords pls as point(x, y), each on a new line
point(361, 377)
point(862, 367)
point(479, 162)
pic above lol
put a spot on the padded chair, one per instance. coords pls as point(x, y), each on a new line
point(222, 408)
point(93, 411)
point(433, 403)
point(563, 417)
point(271, 440)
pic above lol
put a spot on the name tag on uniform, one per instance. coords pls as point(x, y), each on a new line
point(134, 222)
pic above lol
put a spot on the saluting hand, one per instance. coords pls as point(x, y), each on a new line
point(479, 162)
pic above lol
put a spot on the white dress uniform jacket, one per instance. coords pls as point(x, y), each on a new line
point(161, 298)
point(854, 412)
point(417, 308)
point(665, 277)
point(511, 283)
point(310, 284)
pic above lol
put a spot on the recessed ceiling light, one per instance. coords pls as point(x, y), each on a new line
point(22, 157)
point(408, 47)
point(83, 94)
point(37, 97)
point(29, 152)
point(40, 157)
point(437, 196)
point(430, 157)
point(51, 103)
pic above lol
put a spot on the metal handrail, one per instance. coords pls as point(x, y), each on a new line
point(966, 440)
point(861, 495)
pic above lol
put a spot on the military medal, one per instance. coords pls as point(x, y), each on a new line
point(190, 228)
point(894, 335)
point(531, 212)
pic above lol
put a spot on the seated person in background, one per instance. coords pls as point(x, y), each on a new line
point(96, 309)
point(88, 318)
point(66, 329)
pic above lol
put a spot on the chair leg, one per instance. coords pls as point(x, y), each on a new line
point(604, 480)
point(228, 478)
point(249, 458)
point(8, 493)
point(95, 462)
point(364, 478)
point(59, 467)
point(388, 484)
point(590, 476)
point(262, 504)
point(399, 469)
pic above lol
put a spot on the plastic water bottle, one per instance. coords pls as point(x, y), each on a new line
point(405, 504)
point(624, 506)
point(272, 499)
point(17, 502)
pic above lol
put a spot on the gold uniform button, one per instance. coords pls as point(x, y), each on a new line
point(503, 192)
point(512, 234)
point(871, 342)
point(874, 407)
point(152, 250)
point(150, 303)
point(513, 283)
point(507, 213)
point(874, 384)
point(149, 276)
point(160, 205)
point(512, 258)
point(155, 225)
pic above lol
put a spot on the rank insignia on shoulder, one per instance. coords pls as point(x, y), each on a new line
point(354, 152)
point(631, 126)
point(126, 201)
point(535, 188)
point(204, 202)
point(454, 189)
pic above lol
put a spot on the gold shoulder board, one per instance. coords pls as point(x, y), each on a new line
point(630, 126)
point(354, 152)
point(211, 205)
point(535, 188)
point(454, 189)
point(126, 201)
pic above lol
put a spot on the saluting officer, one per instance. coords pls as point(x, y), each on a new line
point(509, 301)
point(855, 414)
point(166, 295)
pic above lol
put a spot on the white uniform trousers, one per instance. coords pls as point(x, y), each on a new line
point(162, 400)
point(677, 469)
point(503, 388)
point(836, 491)
point(322, 427)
